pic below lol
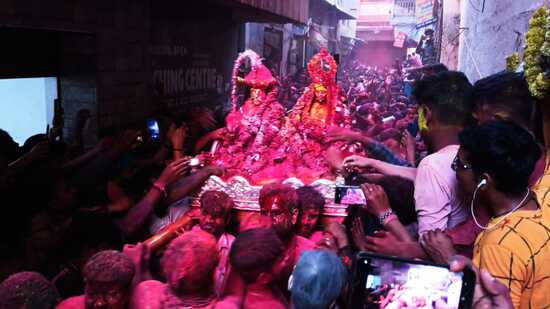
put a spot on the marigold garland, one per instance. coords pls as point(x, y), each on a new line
point(537, 46)
point(512, 62)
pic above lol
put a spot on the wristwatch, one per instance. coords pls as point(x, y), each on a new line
point(383, 218)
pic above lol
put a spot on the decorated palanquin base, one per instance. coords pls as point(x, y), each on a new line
point(246, 195)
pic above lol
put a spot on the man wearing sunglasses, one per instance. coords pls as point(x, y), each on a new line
point(444, 102)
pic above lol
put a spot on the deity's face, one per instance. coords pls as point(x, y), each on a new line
point(282, 219)
point(321, 95)
point(105, 295)
point(257, 96)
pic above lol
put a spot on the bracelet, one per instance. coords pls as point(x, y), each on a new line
point(391, 218)
point(161, 189)
point(383, 218)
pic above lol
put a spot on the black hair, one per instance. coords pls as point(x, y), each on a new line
point(309, 198)
point(447, 94)
point(505, 151)
point(9, 149)
point(507, 91)
point(255, 251)
point(28, 290)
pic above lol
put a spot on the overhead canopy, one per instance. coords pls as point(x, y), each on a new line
point(285, 11)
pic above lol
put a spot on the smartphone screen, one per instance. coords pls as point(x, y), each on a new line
point(154, 130)
point(349, 195)
point(388, 282)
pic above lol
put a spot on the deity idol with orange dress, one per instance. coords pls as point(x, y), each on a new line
point(250, 128)
point(302, 148)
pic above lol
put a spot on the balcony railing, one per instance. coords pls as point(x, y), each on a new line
point(403, 8)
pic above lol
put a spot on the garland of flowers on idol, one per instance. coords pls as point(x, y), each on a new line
point(537, 52)
point(254, 60)
point(254, 121)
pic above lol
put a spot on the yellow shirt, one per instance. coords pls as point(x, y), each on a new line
point(517, 252)
point(542, 190)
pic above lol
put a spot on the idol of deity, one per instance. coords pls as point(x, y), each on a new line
point(301, 146)
point(250, 127)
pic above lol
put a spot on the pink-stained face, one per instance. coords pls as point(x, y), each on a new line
point(106, 295)
point(280, 215)
point(212, 223)
point(308, 222)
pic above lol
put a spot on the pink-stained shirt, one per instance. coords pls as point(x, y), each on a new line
point(262, 296)
point(224, 267)
point(294, 249)
point(317, 236)
point(76, 302)
point(437, 201)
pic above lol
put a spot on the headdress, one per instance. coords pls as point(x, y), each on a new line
point(258, 77)
point(322, 68)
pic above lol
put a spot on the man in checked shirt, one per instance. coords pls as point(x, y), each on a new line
point(493, 166)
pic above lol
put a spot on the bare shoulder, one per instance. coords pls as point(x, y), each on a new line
point(76, 302)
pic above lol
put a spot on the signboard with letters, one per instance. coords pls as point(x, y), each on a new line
point(399, 41)
point(424, 11)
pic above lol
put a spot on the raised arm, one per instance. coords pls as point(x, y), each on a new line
point(358, 162)
point(138, 215)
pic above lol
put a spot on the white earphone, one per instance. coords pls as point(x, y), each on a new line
point(482, 183)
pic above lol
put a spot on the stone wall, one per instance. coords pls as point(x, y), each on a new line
point(493, 30)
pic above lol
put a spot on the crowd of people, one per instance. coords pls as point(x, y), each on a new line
point(452, 173)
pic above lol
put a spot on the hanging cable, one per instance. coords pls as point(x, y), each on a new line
point(472, 57)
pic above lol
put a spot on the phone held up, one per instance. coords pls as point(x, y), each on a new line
point(385, 282)
point(154, 129)
point(349, 195)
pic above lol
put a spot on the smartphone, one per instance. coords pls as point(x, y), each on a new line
point(388, 119)
point(413, 128)
point(194, 162)
point(154, 130)
point(388, 282)
point(349, 195)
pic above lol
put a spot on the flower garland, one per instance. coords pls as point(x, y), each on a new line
point(254, 61)
point(512, 62)
point(538, 45)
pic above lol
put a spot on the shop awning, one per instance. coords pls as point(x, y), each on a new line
point(294, 11)
point(333, 6)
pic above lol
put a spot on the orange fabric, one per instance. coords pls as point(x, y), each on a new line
point(517, 252)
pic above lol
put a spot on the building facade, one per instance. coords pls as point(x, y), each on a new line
point(125, 60)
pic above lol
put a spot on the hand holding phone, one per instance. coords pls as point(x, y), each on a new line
point(154, 129)
point(381, 281)
point(349, 195)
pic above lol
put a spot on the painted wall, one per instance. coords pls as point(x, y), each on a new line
point(494, 30)
point(451, 33)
